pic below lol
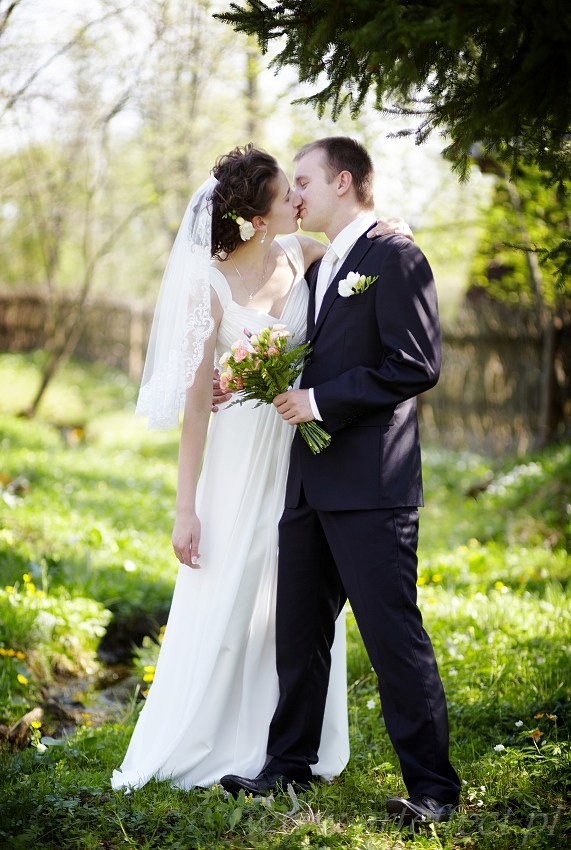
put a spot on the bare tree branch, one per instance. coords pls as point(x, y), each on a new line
point(5, 16)
point(65, 48)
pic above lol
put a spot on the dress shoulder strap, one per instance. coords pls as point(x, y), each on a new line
point(293, 251)
point(220, 286)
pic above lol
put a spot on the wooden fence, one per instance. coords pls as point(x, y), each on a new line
point(487, 399)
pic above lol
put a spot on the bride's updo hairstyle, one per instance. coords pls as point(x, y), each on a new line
point(246, 188)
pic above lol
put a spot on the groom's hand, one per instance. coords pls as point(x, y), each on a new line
point(294, 406)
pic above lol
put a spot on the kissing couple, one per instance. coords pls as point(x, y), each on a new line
point(250, 686)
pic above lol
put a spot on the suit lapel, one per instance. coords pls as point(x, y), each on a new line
point(351, 264)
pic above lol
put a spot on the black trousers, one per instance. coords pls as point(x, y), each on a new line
point(369, 557)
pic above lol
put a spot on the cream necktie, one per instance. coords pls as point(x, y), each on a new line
point(324, 275)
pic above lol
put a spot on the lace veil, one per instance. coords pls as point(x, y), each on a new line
point(182, 322)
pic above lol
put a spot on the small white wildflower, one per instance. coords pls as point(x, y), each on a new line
point(371, 703)
point(479, 802)
point(482, 787)
point(518, 723)
point(499, 748)
point(453, 671)
point(41, 748)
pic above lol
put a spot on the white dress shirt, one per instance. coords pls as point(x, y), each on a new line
point(341, 245)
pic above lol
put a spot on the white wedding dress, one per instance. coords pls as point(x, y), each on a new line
point(215, 689)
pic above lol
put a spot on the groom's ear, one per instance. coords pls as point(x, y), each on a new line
point(344, 181)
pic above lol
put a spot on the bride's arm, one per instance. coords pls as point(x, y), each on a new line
point(314, 250)
point(186, 531)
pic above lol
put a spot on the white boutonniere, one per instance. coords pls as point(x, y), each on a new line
point(355, 284)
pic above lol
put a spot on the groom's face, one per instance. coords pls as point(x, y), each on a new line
point(317, 192)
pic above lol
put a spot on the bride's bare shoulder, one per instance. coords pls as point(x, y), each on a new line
point(312, 249)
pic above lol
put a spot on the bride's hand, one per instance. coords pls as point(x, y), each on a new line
point(186, 540)
point(384, 226)
point(218, 397)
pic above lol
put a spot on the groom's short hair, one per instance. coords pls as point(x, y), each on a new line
point(345, 154)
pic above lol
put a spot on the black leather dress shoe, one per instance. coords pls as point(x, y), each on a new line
point(420, 809)
point(264, 783)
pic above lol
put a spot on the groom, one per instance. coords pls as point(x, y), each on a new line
point(350, 523)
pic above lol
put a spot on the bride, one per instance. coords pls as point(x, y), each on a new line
point(215, 688)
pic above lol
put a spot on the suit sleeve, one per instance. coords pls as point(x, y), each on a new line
point(407, 317)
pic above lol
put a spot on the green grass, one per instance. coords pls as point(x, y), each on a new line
point(85, 517)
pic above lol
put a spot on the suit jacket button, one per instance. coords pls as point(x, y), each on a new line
point(307, 361)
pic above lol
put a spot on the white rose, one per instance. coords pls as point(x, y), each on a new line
point(247, 229)
point(345, 289)
point(224, 359)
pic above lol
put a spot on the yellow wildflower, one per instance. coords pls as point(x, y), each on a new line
point(27, 577)
point(35, 724)
point(22, 679)
point(537, 734)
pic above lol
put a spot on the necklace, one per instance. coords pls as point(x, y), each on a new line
point(252, 292)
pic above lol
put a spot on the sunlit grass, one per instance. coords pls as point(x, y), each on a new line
point(84, 535)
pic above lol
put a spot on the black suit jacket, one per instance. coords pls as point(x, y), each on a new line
point(373, 353)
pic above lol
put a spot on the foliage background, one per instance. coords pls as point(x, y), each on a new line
point(110, 114)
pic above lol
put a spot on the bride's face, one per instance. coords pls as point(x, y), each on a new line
point(283, 214)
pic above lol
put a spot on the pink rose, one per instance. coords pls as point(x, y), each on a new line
point(240, 353)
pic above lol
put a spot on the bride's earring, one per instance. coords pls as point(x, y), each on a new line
point(263, 239)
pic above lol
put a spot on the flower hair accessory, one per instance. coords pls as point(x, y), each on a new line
point(355, 284)
point(247, 229)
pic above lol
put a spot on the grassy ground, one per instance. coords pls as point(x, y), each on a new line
point(85, 516)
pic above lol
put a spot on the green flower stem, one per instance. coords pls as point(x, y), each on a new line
point(315, 436)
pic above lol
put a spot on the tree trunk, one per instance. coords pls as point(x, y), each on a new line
point(546, 422)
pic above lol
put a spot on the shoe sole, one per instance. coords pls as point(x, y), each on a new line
point(235, 788)
point(407, 814)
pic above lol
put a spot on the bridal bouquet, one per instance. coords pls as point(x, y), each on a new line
point(262, 366)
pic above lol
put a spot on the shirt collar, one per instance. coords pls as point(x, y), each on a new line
point(347, 237)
